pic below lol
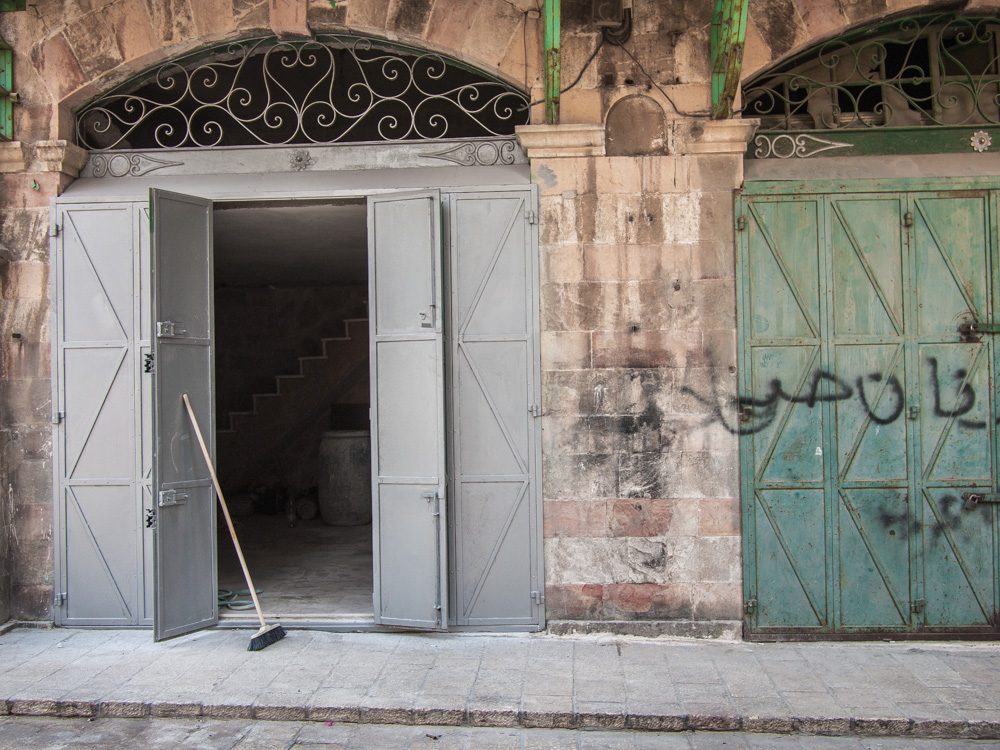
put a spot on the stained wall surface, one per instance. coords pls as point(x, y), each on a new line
point(638, 301)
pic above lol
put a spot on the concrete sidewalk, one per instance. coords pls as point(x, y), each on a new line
point(888, 689)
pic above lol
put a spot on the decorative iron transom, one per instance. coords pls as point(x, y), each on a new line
point(939, 71)
point(333, 89)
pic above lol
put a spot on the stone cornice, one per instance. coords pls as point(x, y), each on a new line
point(557, 141)
point(58, 156)
point(717, 136)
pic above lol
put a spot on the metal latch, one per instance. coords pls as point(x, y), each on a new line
point(746, 414)
point(750, 606)
point(917, 606)
point(972, 499)
point(971, 332)
point(531, 217)
point(58, 416)
point(167, 498)
point(429, 497)
point(54, 230)
point(908, 219)
point(537, 597)
point(535, 410)
point(741, 223)
point(59, 598)
point(166, 329)
point(427, 317)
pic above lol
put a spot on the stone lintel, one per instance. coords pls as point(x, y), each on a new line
point(555, 141)
point(12, 157)
point(59, 156)
point(719, 136)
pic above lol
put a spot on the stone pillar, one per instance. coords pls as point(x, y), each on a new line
point(640, 485)
point(30, 176)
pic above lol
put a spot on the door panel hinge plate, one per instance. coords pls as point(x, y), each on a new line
point(535, 410)
point(917, 606)
point(537, 597)
point(54, 230)
point(59, 598)
point(750, 606)
point(58, 417)
point(165, 329)
point(741, 223)
point(531, 216)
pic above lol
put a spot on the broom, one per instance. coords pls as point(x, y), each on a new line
point(267, 634)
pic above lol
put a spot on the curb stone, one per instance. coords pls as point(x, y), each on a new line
point(483, 717)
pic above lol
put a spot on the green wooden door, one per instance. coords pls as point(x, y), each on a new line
point(864, 414)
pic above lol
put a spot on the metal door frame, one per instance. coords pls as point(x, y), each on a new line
point(820, 188)
point(283, 185)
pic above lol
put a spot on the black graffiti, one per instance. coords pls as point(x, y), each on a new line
point(746, 415)
point(948, 519)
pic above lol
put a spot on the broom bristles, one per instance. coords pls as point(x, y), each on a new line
point(265, 637)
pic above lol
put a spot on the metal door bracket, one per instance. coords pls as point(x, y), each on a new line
point(913, 412)
point(537, 597)
point(58, 416)
point(168, 498)
point(971, 332)
point(750, 606)
point(54, 230)
point(908, 219)
point(972, 499)
point(166, 329)
point(917, 606)
point(59, 598)
point(535, 410)
point(741, 223)
point(531, 217)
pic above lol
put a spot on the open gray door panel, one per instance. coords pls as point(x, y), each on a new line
point(184, 538)
point(407, 399)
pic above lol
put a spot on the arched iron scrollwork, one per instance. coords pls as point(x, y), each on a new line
point(332, 89)
point(927, 71)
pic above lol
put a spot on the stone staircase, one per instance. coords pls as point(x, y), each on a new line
point(278, 440)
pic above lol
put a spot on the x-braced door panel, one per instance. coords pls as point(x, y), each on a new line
point(184, 539)
point(408, 429)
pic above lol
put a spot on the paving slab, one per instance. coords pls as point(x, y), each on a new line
point(606, 683)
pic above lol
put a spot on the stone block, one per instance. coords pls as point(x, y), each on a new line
point(214, 17)
point(640, 475)
point(557, 224)
point(715, 171)
point(715, 216)
point(645, 349)
point(57, 64)
point(717, 601)
point(575, 518)
point(566, 177)
point(289, 18)
point(24, 360)
point(32, 601)
point(717, 559)
point(566, 350)
point(590, 560)
point(712, 259)
point(409, 16)
point(579, 476)
point(367, 14)
point(96, 50)
point(574, 601)
point(562, 264)
point(496, 26)
point(643, 518)
point(718, 517)
point(647, 601)
point(24, 280)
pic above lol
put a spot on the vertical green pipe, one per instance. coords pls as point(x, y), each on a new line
point(552, 14)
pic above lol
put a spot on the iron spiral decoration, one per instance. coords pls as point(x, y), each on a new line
point(332, 89)
point(936, 70)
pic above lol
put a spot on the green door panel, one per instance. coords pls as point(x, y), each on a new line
point(864, 413)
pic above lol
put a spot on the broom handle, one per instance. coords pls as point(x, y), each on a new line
point(225, 508)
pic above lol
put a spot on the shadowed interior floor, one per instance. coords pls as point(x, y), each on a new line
point(309, 569)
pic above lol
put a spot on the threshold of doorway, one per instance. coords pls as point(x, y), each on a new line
point(355, 624)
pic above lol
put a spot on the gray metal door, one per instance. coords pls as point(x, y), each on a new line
point(492, 320)
point(184, 540)
point(98, 514)
point(407, 381)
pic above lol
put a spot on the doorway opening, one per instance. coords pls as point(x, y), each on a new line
point(292, 406)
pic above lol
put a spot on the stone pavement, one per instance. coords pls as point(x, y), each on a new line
point(44, 733)
point(866, 689)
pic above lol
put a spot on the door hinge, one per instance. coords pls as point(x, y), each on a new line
point(430, 497)
point(913, 412)
point(59, 598)
point(908, 219)
point(917, 606)
point(147, 363)
point(750, 606)
point(537, 597)
point(535, 410)
point(531, 216)
point(54, 230)
point(741, 223)
point(58, 416)
point(150, 518)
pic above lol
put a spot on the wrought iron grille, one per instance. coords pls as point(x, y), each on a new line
point(334, 89)
point(935, 70)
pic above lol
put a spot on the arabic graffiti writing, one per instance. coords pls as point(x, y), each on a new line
point(881, 397)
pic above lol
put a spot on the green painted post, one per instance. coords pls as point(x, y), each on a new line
point(552, 14)
point(728, 34)
point(6, 97)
